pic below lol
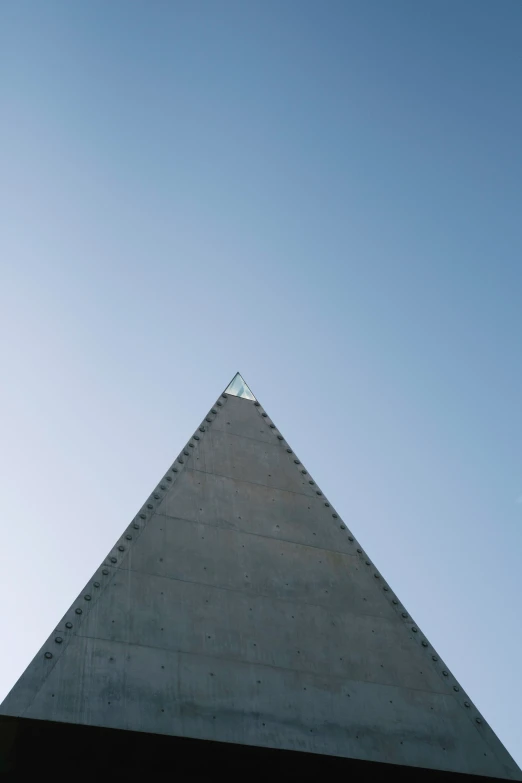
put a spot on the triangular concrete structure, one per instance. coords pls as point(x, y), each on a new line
point(238, 609)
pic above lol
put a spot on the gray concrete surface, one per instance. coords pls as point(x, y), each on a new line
point(237, 607)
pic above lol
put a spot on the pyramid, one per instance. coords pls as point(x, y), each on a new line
point(237, 621)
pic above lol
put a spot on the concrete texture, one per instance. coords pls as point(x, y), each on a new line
point(237, 607)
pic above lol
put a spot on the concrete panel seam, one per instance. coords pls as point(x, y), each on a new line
point(236, 435)
point(254, 483)
point(253, 593)
point(306, 672)
point(258, 535)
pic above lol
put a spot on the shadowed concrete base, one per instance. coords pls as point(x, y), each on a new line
point(32, 747)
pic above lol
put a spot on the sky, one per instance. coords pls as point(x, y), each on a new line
point(324, 195)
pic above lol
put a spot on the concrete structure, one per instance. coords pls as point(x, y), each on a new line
point(238, 608)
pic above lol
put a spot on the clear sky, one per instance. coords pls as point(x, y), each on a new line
point(323, 195)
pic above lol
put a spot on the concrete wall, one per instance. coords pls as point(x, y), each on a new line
point(238, 607)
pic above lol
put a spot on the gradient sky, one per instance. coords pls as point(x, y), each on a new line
point(323, 195)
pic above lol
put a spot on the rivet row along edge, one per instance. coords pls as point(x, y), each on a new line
point(359, 551)
point(80, 607)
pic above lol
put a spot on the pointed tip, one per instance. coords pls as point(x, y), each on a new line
point(239, 388)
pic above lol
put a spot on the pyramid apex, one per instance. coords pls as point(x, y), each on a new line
point(239, 388)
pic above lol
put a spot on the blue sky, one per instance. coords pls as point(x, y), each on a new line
point(323, 195)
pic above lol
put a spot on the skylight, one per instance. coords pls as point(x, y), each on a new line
point(238, 388)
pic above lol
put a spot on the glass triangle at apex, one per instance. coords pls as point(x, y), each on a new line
point(238, 388)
